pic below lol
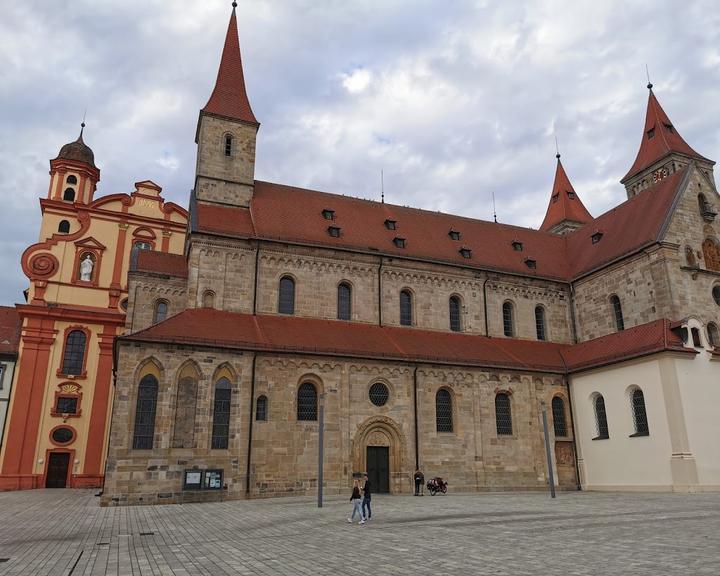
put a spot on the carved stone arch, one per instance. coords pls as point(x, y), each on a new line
point(383, 431)
point(150, 365)
point(225, 370)
point(313, 379)
point(190, 368)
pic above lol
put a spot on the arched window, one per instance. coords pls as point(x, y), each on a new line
point(639, 413)
point(711, 254)
point(74, 354)
point(455, 324)
point(228, 145)
point(145, 413)
point(184, 430)
point(713, 334)
point(161, 310)
point(716, 294)
point(443, 411)
point(344, 301)
point(406, 315)
point(71, 179)
point(617, 310)
point(503, 414)
point(307, 402)
point(137, 247)
point(208, 299)
point(64, 227)
point(558, 412)
point(69, 195)
point(221, 415)
point(601, 418)
point(286, 298)
point(261, 407)
point(508, 319)
point(540, 323)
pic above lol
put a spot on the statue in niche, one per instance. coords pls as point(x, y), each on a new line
point(690, 257)
point(86, 268)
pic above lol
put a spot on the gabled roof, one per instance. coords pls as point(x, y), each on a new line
point(565, 204)
point(229, 98)
point(635, 223)
point(161, 263)
point(659, 139)
point(291, 214)
point(290, 334)
point(9, 330)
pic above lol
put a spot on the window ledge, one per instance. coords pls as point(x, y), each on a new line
point(601, 438)
point(639, 434)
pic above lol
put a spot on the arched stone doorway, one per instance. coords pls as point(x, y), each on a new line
point(379, 449)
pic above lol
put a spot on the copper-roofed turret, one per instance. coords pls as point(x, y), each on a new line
point(565, 212)
point(229, 97)
point(662, 150)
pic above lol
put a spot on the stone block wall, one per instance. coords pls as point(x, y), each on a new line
point(145, 290)
point(284, 452)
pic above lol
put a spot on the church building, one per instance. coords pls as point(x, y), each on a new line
point(426, 340)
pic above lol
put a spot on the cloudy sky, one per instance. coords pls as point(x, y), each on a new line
point(453, 100)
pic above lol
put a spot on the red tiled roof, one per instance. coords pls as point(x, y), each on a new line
point(564, 204)
point(291, 334)
point(659, 139)
point(291, 214)
point(633, 224)
point(229, 98)
point(9, 330)
point(162, 263)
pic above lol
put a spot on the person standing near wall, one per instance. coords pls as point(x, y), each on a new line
point(367, 496)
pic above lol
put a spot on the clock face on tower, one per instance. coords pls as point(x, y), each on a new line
point(660, 174)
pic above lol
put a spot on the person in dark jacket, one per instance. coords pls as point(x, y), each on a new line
point(419, 479)
point(356, 501)
point(367, 496)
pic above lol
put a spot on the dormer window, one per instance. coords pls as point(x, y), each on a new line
point(334, 231)
point(466, 252)
point(228, 145)
point(555, 198)
point(399, 242)
point(454, 234)
point(517, 245)
point(391, 224)
point(596, 237)
point(531, 263)
point(571, 194)
point(328, 214)
point(651, 133)
point(669, 128)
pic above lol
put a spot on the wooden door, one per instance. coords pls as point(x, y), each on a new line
point(378, 468)
point(57, 470)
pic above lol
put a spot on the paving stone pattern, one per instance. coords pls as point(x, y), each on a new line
point(65, 532)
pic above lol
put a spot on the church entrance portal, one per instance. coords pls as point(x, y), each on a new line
point(378, 468)
point(57, 470)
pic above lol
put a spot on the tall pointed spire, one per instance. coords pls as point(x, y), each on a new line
point(659, 139)
point(229, 98)
point(565, 212)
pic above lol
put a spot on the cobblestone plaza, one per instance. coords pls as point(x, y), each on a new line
point(65, 532)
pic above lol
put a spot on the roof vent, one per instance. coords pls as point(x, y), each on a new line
point(596, 237)
point(517, 245)
point(651, 133)
point(571, 194)
point(334, 231)
point(465, 252)
point(531, 263)
point(669, 128)
point(555, 198)
point(328, 214)
point(399, 242)
point(454, 234)
point(391, 224)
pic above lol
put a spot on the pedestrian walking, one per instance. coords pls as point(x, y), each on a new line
point(356, 501)
point(419, 480)
point(367, 496)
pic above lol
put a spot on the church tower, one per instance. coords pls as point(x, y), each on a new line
point(565, 211)
point(662, 151)
point(226, 133)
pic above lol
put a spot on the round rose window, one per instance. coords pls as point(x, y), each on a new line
point(63, 435)
point(379, 394)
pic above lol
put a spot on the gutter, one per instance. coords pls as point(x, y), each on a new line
point(380, 318)
point(255, 291)
point(250, 425)
point(417, 434)
point(487, 329)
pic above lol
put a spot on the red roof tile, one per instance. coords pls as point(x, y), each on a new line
point(162, 263)
point(291, 334)
point(224, 220)
point(9, 330)
point(633, 224)
point(659, 139)
point(229, 98)
point(565, 204)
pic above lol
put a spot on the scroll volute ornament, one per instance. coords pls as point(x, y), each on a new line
point(42, 266)
point(711, 255)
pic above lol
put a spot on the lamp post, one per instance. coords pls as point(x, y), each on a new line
point(547, 450)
